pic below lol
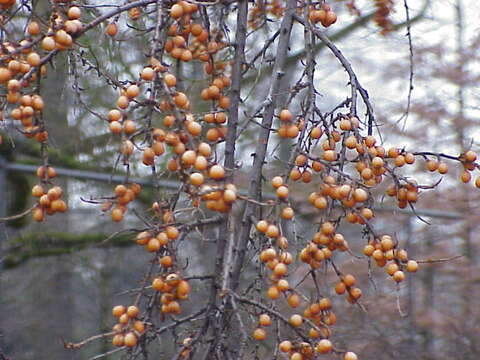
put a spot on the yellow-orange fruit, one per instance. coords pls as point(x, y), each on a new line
point(296, 320)
point(293, 300)
point(277, 181)
point(349, 280)
point(118, 310)
point(111, 29)
point(285, 346)
point(118, 340)
point(153, 245)
point(130, 339)
point(216, 172)
point(176, 11)
point(324, 346)
point(273, 292)
point(272, 231)
point(282, 192)
point(264, 320)
point(147, 74)
point(5, 75)
point(166, 261)
point(133, 311)
point(350, 356)
point(285, 115)
point(139, 326)
point(412, 266)
point(259, 334)
point(288, 213)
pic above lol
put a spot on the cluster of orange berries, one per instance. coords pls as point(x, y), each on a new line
point(64, 28)
point(159, 241)
point(129, 328)
point(30, 107)
point(191, 158)
point(217, 198)
point(124, 195)
point(323, 243)
point(347, 285)
point(218, 131)
point(321, 314)
point(201, 46)
point(325, 15)
point(302, 171)
point(49, 201)
point(173, 289)
point(281, 189)
point(264, 320)
point(118, 123)
point(278, 264)
point(289, 129)
point(386, 254)
point(304, 351)
point(259, 11)
point(468, 161)
point(349, 195)
point(404, 193)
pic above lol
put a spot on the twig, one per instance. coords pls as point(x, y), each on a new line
point(18, 216)
point(434, 261)
point(410, 78)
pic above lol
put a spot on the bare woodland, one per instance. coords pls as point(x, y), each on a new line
point(274, 179)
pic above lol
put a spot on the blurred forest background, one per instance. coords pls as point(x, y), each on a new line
point(60, 279)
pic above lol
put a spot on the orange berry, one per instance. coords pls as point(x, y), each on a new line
point(349, 280)
point(442, 168)
point(282, 192)
point(133, 311)
point(277, 181)
point(259, 334)
point(176, 11)
point(118, 340)
point(172, 232)
point(293, 300)
point(153, 245)
point(330, 155)
point(166, 261)
point(288, 213)
point(118, 310)
point(412, 266)
point(285, 115)
point(147, 74)
point(324, 346)
point(470, 156)
point(111, 29)
point(466, 176)
point(265, 320)
point(262, 226)
point(273, 292)
point(130, 339)
point(285, 346)
point(272, 231)
point(216, 172)
point(33, 28)
point(350, 356)
point(139, 326)
point(340, 288)
point(296, 320)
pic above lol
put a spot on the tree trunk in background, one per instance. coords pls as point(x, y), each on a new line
point(428, 278)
